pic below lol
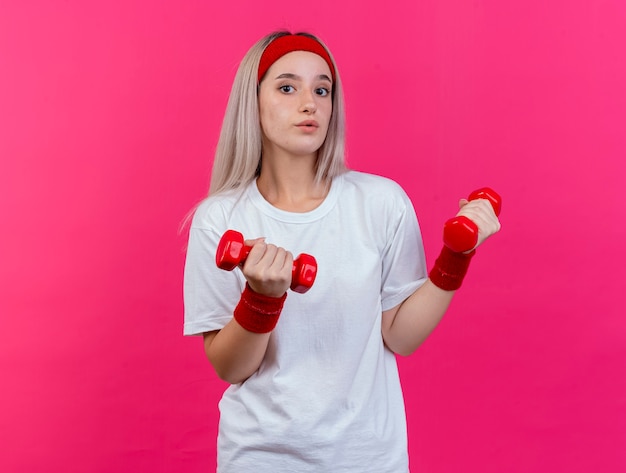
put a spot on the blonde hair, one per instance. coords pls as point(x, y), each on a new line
point(238, 155)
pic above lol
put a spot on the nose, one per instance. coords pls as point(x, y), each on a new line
point(308, 105)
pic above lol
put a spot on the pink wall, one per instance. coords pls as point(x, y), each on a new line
point(109, 112)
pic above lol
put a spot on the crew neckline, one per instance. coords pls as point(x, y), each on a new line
point(296, 217)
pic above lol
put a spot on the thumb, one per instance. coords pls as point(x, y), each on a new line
point(254, 241)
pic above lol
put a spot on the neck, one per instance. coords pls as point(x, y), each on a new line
point(288, 183)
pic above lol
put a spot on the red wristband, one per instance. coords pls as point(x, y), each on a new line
point(258, 313)
point(450, 269)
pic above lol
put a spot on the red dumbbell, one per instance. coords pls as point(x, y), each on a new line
point(460, 234)
point(231, 252)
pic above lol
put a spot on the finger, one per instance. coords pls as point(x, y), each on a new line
point(256, 253)
point(288, 263)
point(478, 207)
point(271, 274)
point(267, 260)
point(282, 267)
point(481, 212)
point(283, 262)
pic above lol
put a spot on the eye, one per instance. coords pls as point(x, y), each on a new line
point(286, 89)
point(322, 91)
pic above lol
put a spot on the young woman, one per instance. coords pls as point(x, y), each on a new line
point(314, 381)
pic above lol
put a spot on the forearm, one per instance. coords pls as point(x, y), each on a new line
point(234, 352)
point(407, 326)
point(238, 349)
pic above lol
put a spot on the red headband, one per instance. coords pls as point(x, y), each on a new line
point(287, 44)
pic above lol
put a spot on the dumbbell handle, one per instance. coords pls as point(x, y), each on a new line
point(460, 234)
point(231, 252)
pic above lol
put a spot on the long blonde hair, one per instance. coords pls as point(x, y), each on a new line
point(238, 155)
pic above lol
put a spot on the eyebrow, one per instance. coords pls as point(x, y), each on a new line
point(289, 75)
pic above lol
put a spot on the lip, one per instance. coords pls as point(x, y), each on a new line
point(308, 124)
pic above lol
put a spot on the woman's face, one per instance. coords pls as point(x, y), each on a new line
point(295, 104)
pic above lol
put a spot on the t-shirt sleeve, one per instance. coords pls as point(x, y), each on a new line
point(404, 262)
point(210, 294)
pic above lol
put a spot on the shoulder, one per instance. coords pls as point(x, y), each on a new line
point(216, 208)
point(372, 187)
point(373, 183)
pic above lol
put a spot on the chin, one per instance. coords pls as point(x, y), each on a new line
point(306, 150)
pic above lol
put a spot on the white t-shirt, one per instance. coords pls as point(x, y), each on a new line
point(327, 397)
